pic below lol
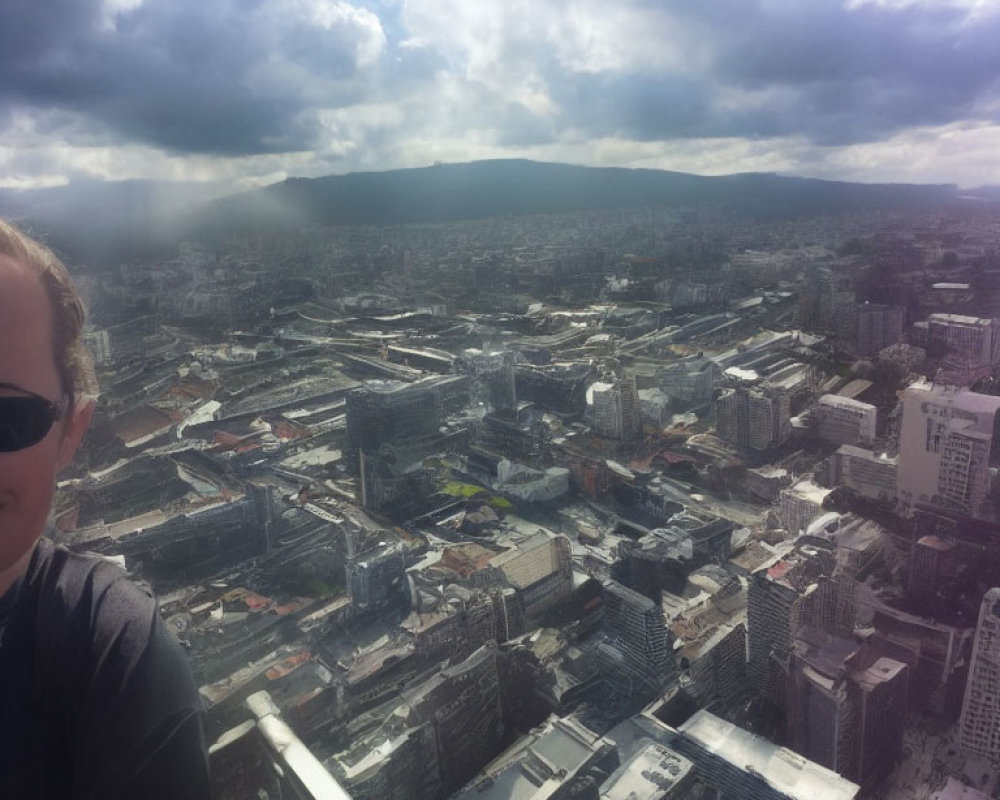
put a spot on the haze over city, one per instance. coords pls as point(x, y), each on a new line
point(252, 93)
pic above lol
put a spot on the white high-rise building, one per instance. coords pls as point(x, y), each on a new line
point(979, 725)
point(945, 447)
point(616, 409)
point(843, 420)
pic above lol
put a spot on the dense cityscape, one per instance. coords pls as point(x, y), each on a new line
point(633, 504)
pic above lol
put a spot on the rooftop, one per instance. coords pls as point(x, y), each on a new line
point(785, 771)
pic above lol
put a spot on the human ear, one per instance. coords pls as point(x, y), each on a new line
point(74, 427)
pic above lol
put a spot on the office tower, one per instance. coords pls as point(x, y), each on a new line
point(639, 632)
point(879, 326)
point(802, 587)
point(391, 412)
point(846, 705)
point(491, 378)
point(827, 302)
point(936, 572)
point(947, 446)
point(652, 772)
point(843, 420)
point(555, 761)
point(979, 726)
point(871, 475)
point(969, 337)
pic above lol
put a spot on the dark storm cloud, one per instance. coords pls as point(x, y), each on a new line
point(865, 73)
point(222, 77)
point(237, 77)
point(816, 69)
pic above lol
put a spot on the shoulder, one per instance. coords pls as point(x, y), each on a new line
point(89, 601)
point(133, 711)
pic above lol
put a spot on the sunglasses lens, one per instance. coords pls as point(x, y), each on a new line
point(24, 421)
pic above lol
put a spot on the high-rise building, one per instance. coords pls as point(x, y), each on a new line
point(557, 760)
point(491, 378)
point(871, 475)
point(376, 579)
point(639, 631)
point(827, 302)
point(935, 566)
point(970, 337)
point(652, 772)
point(754, 418)
point(979, 726)
point(879, 326)
point(879, 694)
point(616, 409)
point(391, 412)
point(843, 420)
point(800, 504)
point(540, 569)
point(802, 587)
point(936, 652)
point(442, 731)
point(948, 442)
point(846, 705)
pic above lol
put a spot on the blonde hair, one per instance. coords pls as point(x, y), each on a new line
point(72, 360)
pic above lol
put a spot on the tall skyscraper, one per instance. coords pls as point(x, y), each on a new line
point(947, 444)
point(979, 726)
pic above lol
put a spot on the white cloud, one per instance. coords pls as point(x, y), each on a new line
point(594, 36)
point(112, 9)
point(961, 152)
point(975, 9)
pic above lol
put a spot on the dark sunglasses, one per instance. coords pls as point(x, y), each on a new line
point(26, 419)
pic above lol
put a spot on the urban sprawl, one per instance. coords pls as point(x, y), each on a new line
point(631, 505)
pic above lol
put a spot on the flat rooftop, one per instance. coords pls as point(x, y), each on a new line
point(787, 772)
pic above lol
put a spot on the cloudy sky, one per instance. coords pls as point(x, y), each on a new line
point(258, 90)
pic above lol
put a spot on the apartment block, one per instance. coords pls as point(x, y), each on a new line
point(754, 418)
point(616, 410)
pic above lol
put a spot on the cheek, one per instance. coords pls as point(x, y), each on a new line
point(26, 485)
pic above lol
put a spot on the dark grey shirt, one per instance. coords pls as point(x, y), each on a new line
point(96, 698)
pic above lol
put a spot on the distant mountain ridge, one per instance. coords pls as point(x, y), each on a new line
point(480, 189)
point(97, 220)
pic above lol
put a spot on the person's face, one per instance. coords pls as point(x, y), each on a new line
point(27, 476)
